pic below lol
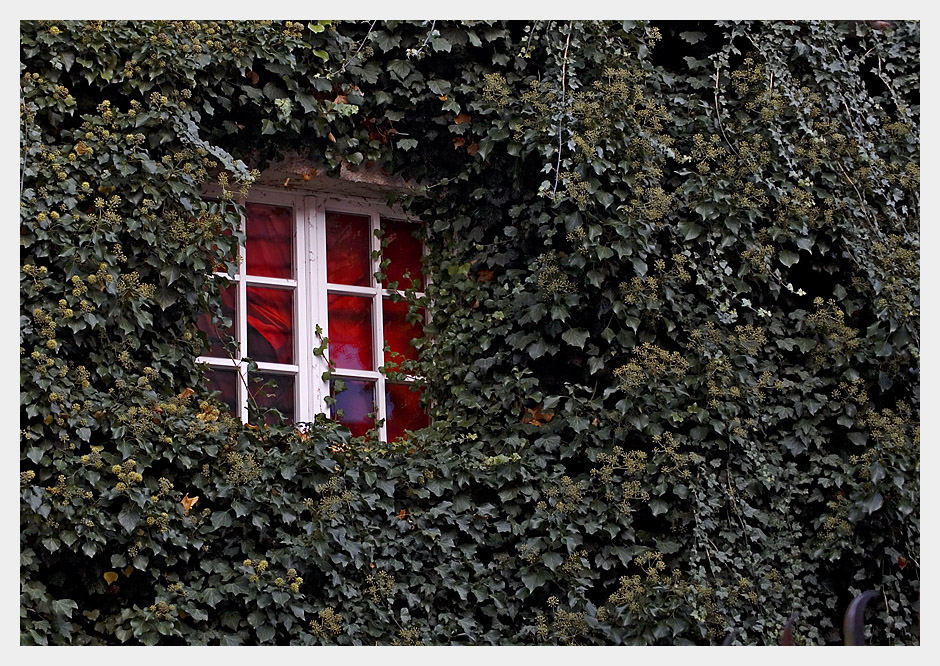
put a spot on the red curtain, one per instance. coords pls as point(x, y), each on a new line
point(269, 252)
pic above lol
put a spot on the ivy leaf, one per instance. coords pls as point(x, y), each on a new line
point(873, 503)
point(439, 86)
point(788, 258)
point(658, 506)
point(273, 92)
point(68, 59)
point(793, 445)
point(198, 614)
point(706, 209)
point(552, 560)
point(308, 102)
point(212, 597)
point(440, 44)
point(221, 519)
point(400, 68)
point(64, 607)
point(576, 337)
point(533, 580)
point(538, 348)
point(484, 147)
point(387, 486)
point(129, 518)
point(858, 438)
point(689, 230)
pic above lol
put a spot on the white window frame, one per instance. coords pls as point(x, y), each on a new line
point(311, 291)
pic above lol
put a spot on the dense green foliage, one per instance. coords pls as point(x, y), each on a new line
point(672, 367)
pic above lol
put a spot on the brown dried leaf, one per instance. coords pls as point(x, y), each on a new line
point(535, 416)
point(188, 502)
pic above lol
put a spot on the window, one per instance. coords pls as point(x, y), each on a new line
point(308, 264)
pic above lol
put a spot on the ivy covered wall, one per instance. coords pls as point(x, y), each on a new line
point(672, 366)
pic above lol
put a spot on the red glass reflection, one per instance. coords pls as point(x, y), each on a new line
point(403, 410)
point(221, 338)
point(271, 325)
point(403, 252)
point(398, 332)
point(271, 391)
point(348, 253)
point(357, 402)
point(269, 241)
point(224, 381)
point(229, 264)
point(350, 331)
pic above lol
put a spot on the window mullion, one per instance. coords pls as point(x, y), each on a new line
point(242, 333)
point(316, 274)
point(302, 333)
point(378, 337)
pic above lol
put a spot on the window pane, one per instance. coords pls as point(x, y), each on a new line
point(221, 338)
point(398, 332)
point(348, 253)
point(403, 252)
point(224, 381)
point(278, 395)
point(269, 241)
point(229, 263)
point(350, 331)
point(357, 402)
point(403, 410)
point(271, 325)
